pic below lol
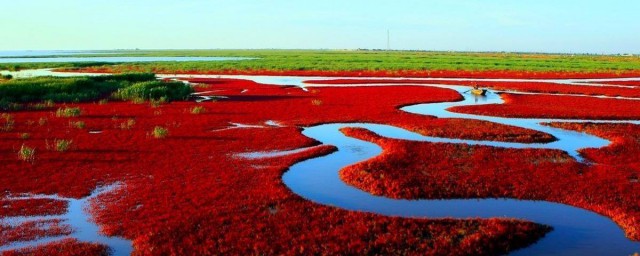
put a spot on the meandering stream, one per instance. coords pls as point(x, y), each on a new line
point(76, 217)
point(576, 231)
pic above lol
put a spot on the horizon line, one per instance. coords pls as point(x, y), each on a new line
point(325, 49)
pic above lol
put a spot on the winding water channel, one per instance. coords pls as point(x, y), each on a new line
point(76, 217)
point(576, 231)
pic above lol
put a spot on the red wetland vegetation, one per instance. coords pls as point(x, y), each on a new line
point(624, 83)
point(532, 87)
point(188, 193)
point(376, 73)
point(608, 187)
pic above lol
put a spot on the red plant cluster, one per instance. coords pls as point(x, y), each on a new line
point(433, 170)
point(32, 230)
point(567, 107)
point(623, 150)
point(365, 104)
point(366, 235)
point(627, 83)
point(266, 219)
point(475, 129)
point(373, 73)
point(189, 193)
point(67, 247)
point(537, 87)
point(32, 207)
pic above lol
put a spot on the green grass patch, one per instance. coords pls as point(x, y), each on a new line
point(160, 132)
point(155, 91)
point(68, 112)
point(27, 153)
point(30, 93)
point(8, 122)
point(60, 89)
point(127, 125)
point(23, 66)
point(77, 124)
point(62, 145)
point(198, 110)
point(364, 60)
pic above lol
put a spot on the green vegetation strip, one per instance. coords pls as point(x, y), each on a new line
point(139, 86)
point(333, 60)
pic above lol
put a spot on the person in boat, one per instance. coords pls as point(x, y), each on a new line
point(477, 91)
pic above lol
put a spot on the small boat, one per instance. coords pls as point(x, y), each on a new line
point(480, 92)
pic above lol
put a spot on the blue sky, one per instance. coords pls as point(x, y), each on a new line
point(574, 26)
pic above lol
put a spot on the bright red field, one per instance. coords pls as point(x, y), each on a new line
point(190, 194)
point(376, 73)
point(533, 87)
point(608, 186)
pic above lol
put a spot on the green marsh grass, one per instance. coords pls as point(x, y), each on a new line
point(358, 60)
point(68, 112)
point(27, 153)
point(160, 132)
point(77, 124)
point(127, 125)
point(157, 91)
point(8, 122)
point(62, 145)
point(198, 110)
